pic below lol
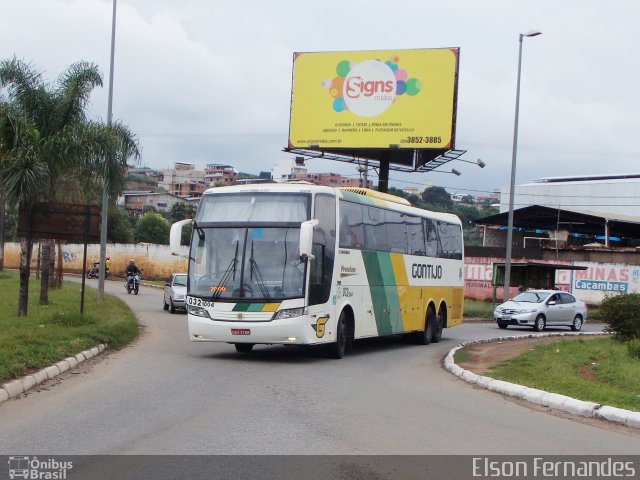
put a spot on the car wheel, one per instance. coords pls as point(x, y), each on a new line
point(577, 323)
point(244, 347)
point(503, 325)
point(165, 306)
point(172, 308)
point(540, 323)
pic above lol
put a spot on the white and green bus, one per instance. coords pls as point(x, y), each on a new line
point(300, 264)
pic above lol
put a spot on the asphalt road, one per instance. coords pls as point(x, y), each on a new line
point(165, 395)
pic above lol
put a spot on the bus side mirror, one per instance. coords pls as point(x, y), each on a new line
point(306, 238)
point(175, 235)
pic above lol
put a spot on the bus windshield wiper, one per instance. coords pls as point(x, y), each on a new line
point(255, 271)
point(230, 272)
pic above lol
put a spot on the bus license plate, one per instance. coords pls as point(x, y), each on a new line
point(240, 331)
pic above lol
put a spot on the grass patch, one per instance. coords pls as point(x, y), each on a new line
point(478, 309)
point(462, 355)
point(599, 370)
point(53, 332)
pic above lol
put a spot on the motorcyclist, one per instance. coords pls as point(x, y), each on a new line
point(132, 269)
point(107, 266)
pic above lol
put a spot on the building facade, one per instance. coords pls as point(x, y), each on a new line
point(138, 202)
point(184, 180)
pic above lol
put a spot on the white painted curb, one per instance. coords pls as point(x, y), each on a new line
point(540, 397)
point(16, 387)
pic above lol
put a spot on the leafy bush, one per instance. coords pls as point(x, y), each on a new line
point(622, 314)
point(634, 348)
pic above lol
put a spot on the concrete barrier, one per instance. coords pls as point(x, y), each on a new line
point(540, 397)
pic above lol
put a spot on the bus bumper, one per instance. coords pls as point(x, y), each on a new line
point(288, 331)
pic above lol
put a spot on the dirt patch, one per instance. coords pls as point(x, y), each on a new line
point(483, 356)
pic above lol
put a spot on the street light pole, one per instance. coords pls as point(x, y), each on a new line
point(105, 180)
point(507, 263)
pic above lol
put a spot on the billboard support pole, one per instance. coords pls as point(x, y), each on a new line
point(383, 178)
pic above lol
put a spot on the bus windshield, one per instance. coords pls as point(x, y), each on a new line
point(247, 263)
point(254, 207)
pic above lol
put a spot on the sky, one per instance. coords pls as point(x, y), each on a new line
point(205, 81)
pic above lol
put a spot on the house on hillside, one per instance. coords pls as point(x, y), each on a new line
point(139, 201)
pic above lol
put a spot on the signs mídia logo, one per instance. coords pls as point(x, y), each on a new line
point(370, 87)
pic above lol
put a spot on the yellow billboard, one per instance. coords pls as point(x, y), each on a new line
point(374, 99)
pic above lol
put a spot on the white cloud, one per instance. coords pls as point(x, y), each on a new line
point(210, 81)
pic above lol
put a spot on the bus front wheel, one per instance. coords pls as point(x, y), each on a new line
point(338, 348)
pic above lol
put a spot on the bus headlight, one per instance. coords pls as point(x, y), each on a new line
point(288, 313)
point(197, 311)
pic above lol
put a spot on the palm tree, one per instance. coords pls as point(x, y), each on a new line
point(48, 141)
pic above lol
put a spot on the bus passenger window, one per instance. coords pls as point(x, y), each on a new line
point(351, 233)
point(432, 239)
point(415, 236)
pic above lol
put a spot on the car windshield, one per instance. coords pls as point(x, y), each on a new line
point(180, 280)
point(530, 297)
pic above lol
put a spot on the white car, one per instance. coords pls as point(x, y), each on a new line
point(175, 292)
point(540, 309)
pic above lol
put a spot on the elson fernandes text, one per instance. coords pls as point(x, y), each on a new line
point(544, 468)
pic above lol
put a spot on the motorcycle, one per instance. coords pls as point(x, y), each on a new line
point(94, 271)
point(133, 283)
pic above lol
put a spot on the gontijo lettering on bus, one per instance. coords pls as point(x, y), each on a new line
point(426, 270)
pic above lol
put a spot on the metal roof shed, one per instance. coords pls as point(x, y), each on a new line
point(529, 274)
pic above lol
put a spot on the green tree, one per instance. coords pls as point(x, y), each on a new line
point(152, 228)
point(437, 196)
point(398, 192)
point(119, 228)
point(50, 151)
point(181, 211)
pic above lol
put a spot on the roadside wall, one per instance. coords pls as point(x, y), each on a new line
point(607, 272)
point(156, 261)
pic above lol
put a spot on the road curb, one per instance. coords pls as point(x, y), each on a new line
point(540, 397)
point(21, 385)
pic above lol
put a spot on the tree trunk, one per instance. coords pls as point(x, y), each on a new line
point(52, 264)
point(38, 257)
point(2, 210)
point(44, 271)
point(25, 270)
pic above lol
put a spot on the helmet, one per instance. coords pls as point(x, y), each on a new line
point(108, 258)
point(132, 261)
